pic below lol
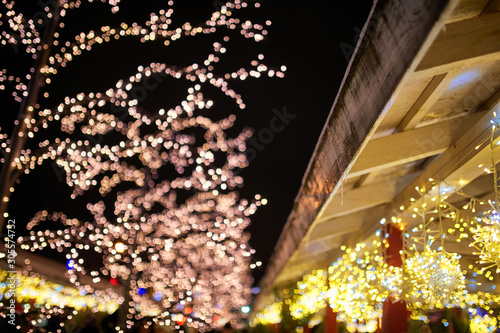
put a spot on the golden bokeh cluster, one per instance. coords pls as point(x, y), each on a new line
point(45, 293)
point(271, 314)
point(310, 296)
point(433, 280)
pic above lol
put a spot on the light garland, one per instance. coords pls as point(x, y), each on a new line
point(432, 277)
point(487, 233)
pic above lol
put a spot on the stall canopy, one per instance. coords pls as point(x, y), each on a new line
point(415, 107)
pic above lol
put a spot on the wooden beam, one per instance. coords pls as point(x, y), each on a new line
point(392, 43)
point(491, 102)
point(463, 44)
point(365, 179)
point(336, 227)
point(409, 146)
point(426, 100)
point(492, 7)
point(460, 161)
point(467, 9)
point(363, 198)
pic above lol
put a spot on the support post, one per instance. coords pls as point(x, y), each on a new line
point(330, 321)
point(394, 318)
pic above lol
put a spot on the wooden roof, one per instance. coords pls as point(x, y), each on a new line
point(416, 101)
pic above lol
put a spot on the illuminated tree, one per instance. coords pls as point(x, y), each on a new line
point(51, 55)
point(174, 238)
point(192, 251)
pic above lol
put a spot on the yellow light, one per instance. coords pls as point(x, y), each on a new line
point(487, 240)
point(310, 295)
point(358, 285)
point(45, 292)
point(433, 280)
point(482, 324)
point(271, 314)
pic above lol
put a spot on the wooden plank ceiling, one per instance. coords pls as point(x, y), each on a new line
point(431, 130)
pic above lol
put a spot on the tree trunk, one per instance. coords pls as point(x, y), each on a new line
point(19, 137)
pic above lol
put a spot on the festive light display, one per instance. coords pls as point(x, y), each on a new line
point(45, 293)
point(271, 314)
point(358, 286)
point(487, 240)
point(310, 295)
point(430, 279)
point(487, 233)
point(195, 252)
point(482, 323)
point(360, 282)
point(170, 226)
point(433, 280)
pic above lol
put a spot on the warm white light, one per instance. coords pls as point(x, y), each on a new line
point(119, 247)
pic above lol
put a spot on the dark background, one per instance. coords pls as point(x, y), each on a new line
point(305, 36)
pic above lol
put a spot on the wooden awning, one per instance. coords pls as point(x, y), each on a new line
point(416, 101)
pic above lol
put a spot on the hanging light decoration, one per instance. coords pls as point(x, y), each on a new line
point(482, 322)
point(358, 285)
point(433, 280)
point(487, 232)
point(271, 314)
point(487, 240)
point(310, 295)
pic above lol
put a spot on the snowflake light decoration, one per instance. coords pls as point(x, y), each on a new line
point(310, 295)
point(433, 280)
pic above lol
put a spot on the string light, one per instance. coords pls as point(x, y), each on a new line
point(487, 233)
point(487, 240)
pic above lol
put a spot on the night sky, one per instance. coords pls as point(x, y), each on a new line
point(305, 36)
